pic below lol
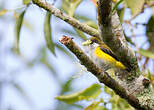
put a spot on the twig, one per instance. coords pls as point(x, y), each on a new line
point(75, 23)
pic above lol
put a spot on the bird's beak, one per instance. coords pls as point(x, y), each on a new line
point(87, 42)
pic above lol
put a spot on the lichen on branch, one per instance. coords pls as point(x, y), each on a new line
point(112, 34)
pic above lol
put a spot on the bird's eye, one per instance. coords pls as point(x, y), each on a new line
point(94, 41)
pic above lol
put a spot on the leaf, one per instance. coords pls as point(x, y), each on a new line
point(116, 5)
point(92, 106)
point(47, 33)
point(121, 14)
point(86, 20)
point(107, 90)
point(92, 24)
point(81, 34)
point(149, 75)
point(43, 60)
point(18, 25)
point(96, 105)
point(150, 25)
point(150, 32)
point(101, 107)
point(70, 6)
point(135, 6)
point(26, 2)
point(2, 12)
point(89, 93)
point(66, 86)
point(146, 53)
point(128, 39)
point(61, 48)
point(21, 91)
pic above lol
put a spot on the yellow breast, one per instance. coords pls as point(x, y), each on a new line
point(100, 54)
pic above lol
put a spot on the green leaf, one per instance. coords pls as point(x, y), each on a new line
point(18, 25)
point(66, 86)
point(43, 60)
point(4, 11)
point(26, 2)
point(135, 6)
point(146, 53)
point(81, 34)
point(22, 92)
point(101, 107)
point(150, 32)
point(150, 25)
point(70, 6)
point(92, 24)
point(92, 106)
point(149, 75)
point(87, 21)
point(121, 14)
point(89, 93)
point(47, 33)
point(128, 39)
point(116, 5)
point(61, 48)
point(107, 90)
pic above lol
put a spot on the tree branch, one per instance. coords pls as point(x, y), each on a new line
point(72, 21)
point(112, 34)
point(100, 74)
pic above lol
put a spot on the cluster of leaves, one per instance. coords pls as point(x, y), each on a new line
point(92, 93)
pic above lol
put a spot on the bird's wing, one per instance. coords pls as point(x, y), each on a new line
point(109, 53)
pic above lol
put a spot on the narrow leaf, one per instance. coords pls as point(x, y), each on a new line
point(91, 24)
point(70, 6)
point(43, 60)
point(66, 86)
point(2, 12)
point(21, 91)
point(150, 32)
point(101, 107)
point(146, 53)
point(116, 5)
point(18, 25)
point(89, 93)
point(135, 6)
point(61, 48)
point(81, 34)
point(47, 33)
point(26, 2)
point(92, 106)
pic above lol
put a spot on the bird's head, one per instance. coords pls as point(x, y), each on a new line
point(92, 40)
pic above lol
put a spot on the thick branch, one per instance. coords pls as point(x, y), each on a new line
point(101, 75)
point(72, 21)
point(112, 34)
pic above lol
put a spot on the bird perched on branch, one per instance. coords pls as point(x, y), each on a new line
point(102, 55)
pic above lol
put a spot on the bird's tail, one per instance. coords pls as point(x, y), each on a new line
point(120, 65)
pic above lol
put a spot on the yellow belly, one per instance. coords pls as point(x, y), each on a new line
point(102, 55)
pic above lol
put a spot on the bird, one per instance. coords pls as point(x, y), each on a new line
point(102, 55)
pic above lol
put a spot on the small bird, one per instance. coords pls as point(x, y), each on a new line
point(102, 55)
